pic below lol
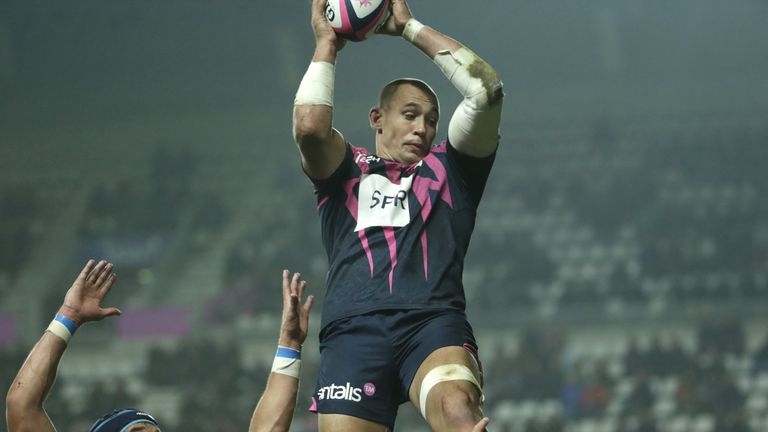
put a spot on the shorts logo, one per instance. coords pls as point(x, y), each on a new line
point(344, 392)
point(369, 389)
point(382, 203)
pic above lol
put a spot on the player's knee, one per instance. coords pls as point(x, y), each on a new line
point(459, 407)
point(456, 400)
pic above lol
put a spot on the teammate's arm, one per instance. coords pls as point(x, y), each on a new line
point(275, 409)
point(82, 303)
point(322, 147)
point(474, 127)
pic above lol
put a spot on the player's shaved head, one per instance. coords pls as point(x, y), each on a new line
point(389, 90)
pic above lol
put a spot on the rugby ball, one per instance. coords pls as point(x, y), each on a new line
point(356, 19)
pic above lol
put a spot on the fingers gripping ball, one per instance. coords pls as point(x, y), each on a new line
point(356, 19)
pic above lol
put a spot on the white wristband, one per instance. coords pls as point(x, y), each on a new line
point(316, 87)
point(62, 327)
point(287, 361)
point(412, 28)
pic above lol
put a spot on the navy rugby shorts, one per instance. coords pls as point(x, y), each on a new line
point(367, 362)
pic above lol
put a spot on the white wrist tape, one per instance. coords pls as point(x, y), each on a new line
point(287, 361)
point(412, 28)
point(62, 327)
point(316, 87)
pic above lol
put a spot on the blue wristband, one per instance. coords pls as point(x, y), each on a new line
point(68, 323)
point(288, 353)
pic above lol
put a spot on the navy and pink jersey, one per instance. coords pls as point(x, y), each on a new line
point(396, 234)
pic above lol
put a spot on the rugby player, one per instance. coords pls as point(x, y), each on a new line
point(396, 226)
point(83, 303)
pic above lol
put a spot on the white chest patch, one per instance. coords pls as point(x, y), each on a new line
point(382, 203)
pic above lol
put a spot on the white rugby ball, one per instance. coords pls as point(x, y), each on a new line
point(356, 19)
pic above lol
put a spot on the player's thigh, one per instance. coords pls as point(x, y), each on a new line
point(357, 376)
point(449, 355)
point(345, 423)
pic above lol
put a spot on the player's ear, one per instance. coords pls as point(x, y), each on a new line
point(374, 118)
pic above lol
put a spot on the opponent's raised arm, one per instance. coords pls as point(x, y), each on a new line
point(321, 146)
point(82, 303)
point(275, 409)
point(474, 127)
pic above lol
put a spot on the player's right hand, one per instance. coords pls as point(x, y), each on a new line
point(324, 34)
point(293, 330)
point(82, 303)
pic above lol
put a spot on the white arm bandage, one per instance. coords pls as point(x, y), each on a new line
point(316, 87)
point(474, 127)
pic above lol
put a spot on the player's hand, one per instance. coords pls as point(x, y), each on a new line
point(399, 15)
point(293, 330)
point(82, 303)
point(324, 34)
point(480, 426)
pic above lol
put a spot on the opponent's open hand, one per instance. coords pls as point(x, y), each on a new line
point(82, 303)
point(400, 13)
point(293, 330)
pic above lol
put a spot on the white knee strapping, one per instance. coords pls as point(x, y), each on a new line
point(449, 372)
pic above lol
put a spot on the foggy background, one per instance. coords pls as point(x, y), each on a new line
point(617, 278)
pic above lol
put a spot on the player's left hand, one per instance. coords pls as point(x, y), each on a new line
point(82, 303)
point(399, 14)
point(293, 330)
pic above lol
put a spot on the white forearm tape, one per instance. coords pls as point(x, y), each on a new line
point(448, 372)
point(412, 28)
point(455, 66)
point(474, 127)
point(316, 87)
point(474, 132)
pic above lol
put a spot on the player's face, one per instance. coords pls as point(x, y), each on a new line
point(407, 126)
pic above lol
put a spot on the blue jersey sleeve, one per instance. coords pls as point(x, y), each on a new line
point(472, 171)
point(343, 172)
